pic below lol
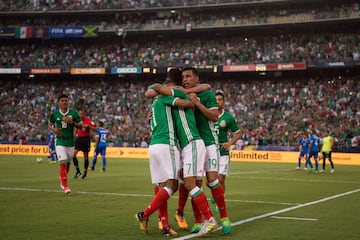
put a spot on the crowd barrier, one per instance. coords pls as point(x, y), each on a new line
point(235, 155)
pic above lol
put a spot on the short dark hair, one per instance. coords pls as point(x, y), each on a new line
point(62, 96)
point(193, 69)
point(174, 75)
point(101, 123)
point(220, 92)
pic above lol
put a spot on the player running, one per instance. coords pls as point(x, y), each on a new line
point(62, 122)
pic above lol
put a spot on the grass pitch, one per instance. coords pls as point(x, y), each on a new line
point(264, 200)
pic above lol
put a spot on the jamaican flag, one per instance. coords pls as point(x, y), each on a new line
point(90, 31)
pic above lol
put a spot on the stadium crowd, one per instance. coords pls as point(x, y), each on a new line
point(176, 18)
point(331, 47)
point(269, 112)
point(56, 5)
point(224, 50)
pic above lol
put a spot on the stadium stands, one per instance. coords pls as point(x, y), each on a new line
point(157, 34)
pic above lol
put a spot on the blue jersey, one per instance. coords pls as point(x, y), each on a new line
point(305, 143)
point(315, 142)
point(101, 134)
point(51, 140)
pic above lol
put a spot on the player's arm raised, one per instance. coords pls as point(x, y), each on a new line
point(152, 90)
point(196, 89)
point(164, 90)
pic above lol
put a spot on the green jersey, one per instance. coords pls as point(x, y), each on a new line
point(67, 139)
point(185, 123)
point(225, 123)
point(205, 126)
point(162, 125)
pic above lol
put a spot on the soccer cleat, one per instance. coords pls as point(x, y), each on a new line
point(208, 226)
point(67, 190)
point(305, 168)
point(103, 170)
point(297, 168)
point(160, 226)
point(217, 210)
point(332, 171)
point(196, 228)
point(84, 176)
point(321, 171)
point(180, 219)
point(168, 232)
point(143, 222)
point(77, 174)
point(226, 225)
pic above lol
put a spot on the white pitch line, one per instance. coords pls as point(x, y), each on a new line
point(295, 218)
point(262, 202)
point(277, 212)
point(94, 193)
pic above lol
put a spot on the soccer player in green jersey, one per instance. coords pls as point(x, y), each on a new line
point(164, 159)
point(62, 122)
point(226, 123)
point(206, 114)
point(192, 155)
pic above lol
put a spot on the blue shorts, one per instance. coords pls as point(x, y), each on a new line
point(302, 154)
point(314, 154)
point(100, 150)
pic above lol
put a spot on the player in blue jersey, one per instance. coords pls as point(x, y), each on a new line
point(313, 151)
point(51, 146)
point(100, 146)
point(304, 143)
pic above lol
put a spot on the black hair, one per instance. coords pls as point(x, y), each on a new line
point(194, 70)
point(62, 96)
point(174, 75)
point(220, 92)
point(101, 123)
